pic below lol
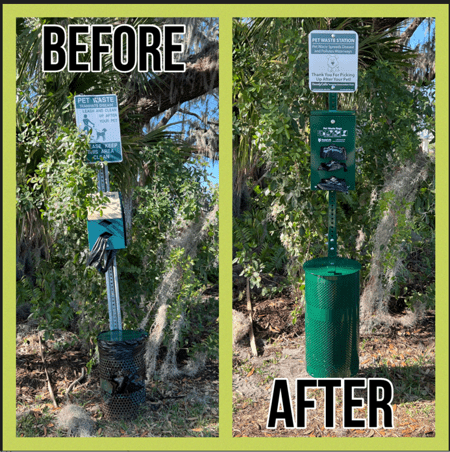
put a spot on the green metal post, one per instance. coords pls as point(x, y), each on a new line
point(332, 237)
point(332, 101)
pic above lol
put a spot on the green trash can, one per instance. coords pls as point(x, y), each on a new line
point(332, 317)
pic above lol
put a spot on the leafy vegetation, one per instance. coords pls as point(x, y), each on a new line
point(279, 223)
point(163, 179)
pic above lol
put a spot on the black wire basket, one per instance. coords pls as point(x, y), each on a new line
point(122, 372)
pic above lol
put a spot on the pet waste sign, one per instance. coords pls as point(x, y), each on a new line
point(100, 116)
point(333, 61)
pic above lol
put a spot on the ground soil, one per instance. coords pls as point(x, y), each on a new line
point(404, 356)
point(65, 360)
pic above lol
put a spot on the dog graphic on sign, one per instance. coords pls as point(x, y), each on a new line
point(333, 63)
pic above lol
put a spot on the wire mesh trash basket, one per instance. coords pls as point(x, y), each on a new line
point(332, 317)
point(122, 372)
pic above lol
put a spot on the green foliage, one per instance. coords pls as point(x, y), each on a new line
point(413, 243)
point(427, 298)
point(206, 265)
point(298, 310)
point(172, 195)
point(387, 126)
point(258, 248)
point(62, 187)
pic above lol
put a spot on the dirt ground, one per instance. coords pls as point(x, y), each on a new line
point(406, 357)
point(184, 406)
point(189, 406)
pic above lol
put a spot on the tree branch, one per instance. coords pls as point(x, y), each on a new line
point(170, 89)
point(49, 384)
point(383, 23)
point(187, 112)
point(406, 35)
point(166, 117)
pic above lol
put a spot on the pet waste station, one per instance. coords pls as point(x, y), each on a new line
point(332, 282)
point(121, 352)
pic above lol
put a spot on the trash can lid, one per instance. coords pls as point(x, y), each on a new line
point(122, 335)
point(329, 266)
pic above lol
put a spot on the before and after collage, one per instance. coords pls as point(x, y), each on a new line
point(228, 227)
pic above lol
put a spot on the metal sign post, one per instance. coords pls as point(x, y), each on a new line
point(332, 233)
point(99, 116)
point(112, 280)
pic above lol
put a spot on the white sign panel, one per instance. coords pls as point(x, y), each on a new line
point(100, 116)
point(333, 61)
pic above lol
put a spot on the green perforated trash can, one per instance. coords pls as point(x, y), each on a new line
point(332, 317)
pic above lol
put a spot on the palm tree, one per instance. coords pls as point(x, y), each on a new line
point(147, 101)
point(260, 45)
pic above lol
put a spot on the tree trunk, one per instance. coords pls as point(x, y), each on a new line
point(171, 89)
point(127, 199)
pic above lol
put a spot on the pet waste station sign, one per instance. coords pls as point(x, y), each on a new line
point(100, 116)
point(333, 61)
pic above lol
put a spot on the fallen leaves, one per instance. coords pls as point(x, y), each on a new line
point(42, 414)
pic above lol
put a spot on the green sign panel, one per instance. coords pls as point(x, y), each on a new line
point(333, 149)
point(333, 61)
point(100, 116)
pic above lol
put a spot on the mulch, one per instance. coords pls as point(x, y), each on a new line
point(401, 355)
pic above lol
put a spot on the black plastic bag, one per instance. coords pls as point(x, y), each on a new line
point(333, 152)
point(333, 183)
point(99, 251)
point(332, 166)
point(122, 372)
point(118, 351)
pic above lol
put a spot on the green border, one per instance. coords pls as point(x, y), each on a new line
point(225, 441)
